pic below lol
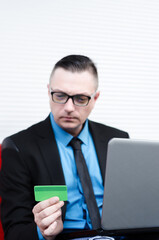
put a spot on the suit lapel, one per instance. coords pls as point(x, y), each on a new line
point(52, 160)
point(100, 141)
point(49, 151)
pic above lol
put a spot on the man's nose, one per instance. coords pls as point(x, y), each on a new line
point(69, 105)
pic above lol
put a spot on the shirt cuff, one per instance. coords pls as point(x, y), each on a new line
point(40, 236)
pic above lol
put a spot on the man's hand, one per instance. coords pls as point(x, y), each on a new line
point(47, 216)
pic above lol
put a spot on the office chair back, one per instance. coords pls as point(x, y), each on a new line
point(1, 229)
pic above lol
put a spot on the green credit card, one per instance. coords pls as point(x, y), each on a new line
point(44, 192)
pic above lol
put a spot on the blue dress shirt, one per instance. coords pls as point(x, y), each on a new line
point(77, 216)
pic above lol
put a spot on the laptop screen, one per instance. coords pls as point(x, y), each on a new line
point(131, 190)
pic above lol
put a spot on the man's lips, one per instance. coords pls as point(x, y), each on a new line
point(67, 118)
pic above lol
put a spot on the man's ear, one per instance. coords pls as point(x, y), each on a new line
point(96, 95)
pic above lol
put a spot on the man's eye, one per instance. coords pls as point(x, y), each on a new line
point(60, 95)
point(81, 98)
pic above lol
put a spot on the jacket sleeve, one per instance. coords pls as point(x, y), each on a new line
point(17, 195)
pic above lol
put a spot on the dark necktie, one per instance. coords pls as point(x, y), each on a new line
point(86, 183)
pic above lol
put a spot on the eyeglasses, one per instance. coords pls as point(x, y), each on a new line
point(78, 99)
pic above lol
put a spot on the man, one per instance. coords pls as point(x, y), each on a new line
point(43, 155)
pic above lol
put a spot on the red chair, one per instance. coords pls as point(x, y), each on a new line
point(1, 230)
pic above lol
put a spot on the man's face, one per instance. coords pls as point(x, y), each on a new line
point(69, 116)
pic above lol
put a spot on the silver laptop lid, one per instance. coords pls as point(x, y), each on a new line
point(131, 193)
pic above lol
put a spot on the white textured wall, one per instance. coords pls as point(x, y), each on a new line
point(121, 36)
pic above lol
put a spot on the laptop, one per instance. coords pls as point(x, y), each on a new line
point(131, 190)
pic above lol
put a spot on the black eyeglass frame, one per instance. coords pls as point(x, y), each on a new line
point(72, 97)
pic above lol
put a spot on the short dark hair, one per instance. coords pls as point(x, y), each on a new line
point(76, 63)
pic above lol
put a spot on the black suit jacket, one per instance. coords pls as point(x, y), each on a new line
point(31, 158)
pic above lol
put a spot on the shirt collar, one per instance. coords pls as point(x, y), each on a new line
point(64, 137)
